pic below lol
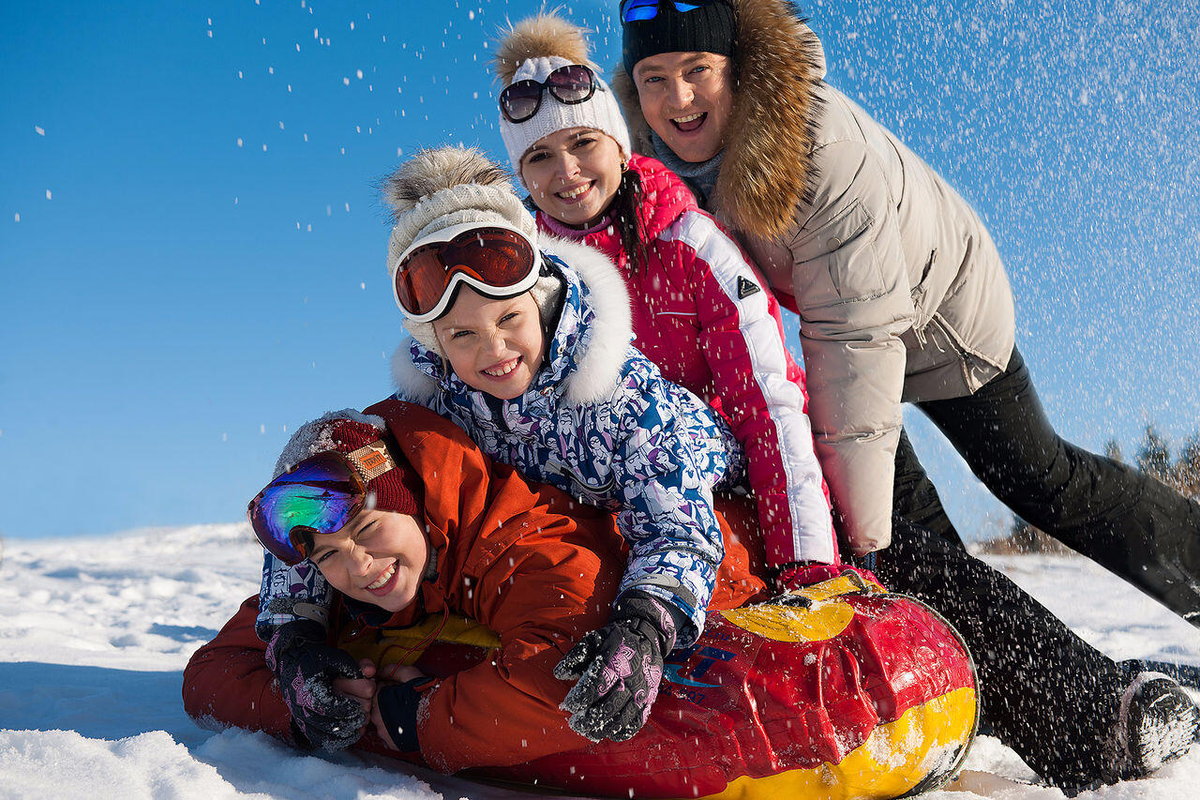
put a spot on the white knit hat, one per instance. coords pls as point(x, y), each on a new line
point(447, 186)
point(531, 50)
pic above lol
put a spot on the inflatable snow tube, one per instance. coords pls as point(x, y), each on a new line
point(846, 691)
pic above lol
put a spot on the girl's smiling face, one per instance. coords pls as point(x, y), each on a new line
point(573, 174)
point(495, 346)
point(378, 557)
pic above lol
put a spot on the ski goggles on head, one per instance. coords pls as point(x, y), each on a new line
point(319, 495)
point(569, 85)
point(494, 260)
point(641, 10)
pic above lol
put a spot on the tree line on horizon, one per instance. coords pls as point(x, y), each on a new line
point(1180, 471)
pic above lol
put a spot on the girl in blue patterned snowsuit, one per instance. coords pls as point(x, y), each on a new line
point(546, 380)
point(615, 435)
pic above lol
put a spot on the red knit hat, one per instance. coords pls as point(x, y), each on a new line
point(392, 483)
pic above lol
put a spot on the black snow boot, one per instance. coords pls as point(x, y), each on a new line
point(1159, 722)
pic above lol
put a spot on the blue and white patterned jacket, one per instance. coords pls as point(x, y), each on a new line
point(600, 422)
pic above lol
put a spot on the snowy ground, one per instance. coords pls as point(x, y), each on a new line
point(96, 633)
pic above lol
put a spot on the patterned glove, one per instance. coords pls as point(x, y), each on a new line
point(797, 574)
point(306, 668)
point(618, 669)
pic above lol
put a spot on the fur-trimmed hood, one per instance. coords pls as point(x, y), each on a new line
point(779, 65)
point(588, 349)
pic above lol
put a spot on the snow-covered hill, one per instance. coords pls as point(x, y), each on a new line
point(95, 633)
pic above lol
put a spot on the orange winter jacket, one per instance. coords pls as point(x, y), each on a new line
point(525, 560)
point(510, 558)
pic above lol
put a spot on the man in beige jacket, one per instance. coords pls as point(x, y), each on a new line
point(902, 297)
point(901, 293)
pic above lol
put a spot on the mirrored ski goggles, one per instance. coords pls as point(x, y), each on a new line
point(319, 495)
point(641, 10)
point(495, 261)
point(569, 85)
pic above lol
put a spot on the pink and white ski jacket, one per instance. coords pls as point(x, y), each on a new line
point(700, 312)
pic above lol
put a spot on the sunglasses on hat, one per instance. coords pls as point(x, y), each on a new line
point(494, 260)
point(641, 10)
point(317, 496)
point(569, 85)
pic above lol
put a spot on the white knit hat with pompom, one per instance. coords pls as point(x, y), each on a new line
point(446, 186)
point(531, 50)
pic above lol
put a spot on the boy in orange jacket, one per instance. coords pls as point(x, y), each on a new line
point(410, 522)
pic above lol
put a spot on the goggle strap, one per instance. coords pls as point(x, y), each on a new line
point(371, 460)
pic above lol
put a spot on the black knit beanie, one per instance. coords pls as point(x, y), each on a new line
point(708, 28)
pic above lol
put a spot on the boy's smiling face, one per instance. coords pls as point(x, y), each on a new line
point(378, 557)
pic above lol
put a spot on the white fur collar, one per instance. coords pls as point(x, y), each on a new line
point(612, 326)
point(411, 383)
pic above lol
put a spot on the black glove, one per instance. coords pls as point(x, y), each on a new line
point(618, 669)
point(306, 668)
point(398, 708)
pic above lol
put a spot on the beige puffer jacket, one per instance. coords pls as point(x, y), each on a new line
point(901, 292)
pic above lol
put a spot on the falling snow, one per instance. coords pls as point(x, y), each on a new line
point(1070, 127)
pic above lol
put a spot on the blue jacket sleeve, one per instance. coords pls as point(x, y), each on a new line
point(291, 593)
point(668, 452)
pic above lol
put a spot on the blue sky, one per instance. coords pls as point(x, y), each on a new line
point(192, 249)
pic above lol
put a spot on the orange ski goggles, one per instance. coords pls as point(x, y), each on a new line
point(495, 260)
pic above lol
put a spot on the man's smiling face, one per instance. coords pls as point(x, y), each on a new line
point(687, 98)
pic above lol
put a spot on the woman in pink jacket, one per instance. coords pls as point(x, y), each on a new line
point(699, 309)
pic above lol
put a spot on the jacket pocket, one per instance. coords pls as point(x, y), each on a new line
point(677, 313)
point(837, 262)
point(920, 289)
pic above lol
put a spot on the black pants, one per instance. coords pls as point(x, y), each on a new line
point(1044, 692)
point(1128, 522)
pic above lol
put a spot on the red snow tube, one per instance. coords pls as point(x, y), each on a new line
point(851, 693)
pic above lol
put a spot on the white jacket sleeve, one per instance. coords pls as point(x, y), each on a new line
point(852, 291)
point(743, 342)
